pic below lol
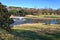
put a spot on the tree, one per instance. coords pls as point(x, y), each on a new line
point(5, 19)
point(21, 13)
point(58, 11)
point(35, 12)
point(50, 11)
point(14, 12)
point(45, 11)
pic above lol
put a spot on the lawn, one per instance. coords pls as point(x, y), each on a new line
point(38, 31)
point(43, 16)
point(35, 31)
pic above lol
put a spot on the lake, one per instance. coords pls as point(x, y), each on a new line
point(21, 20)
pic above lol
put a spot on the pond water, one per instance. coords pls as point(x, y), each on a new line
point(18, 21)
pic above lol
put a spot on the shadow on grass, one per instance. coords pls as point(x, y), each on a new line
point(31, 35)
point(57, 35)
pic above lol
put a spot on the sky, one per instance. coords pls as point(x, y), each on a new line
point(55, 4)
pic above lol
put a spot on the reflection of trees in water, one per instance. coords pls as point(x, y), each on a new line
point(46, 21)
point(58, 21)
point(54, 21)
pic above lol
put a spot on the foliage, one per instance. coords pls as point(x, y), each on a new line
point(34, 11)
point(5, 20)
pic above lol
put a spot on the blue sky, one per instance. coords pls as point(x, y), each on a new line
point(55, 4)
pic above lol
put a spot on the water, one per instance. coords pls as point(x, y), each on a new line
point(21, 20)
point(18, 21)
point(54, 21)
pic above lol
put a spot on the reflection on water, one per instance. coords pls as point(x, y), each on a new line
point(54, 21)
point(18, 21)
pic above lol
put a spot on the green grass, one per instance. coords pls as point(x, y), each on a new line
point(34, 31)
point(44, 16)
point(37, 32)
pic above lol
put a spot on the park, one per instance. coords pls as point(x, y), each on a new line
point(18, 23)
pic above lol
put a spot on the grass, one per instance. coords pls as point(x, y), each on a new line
point(35, 31)
point(38, 31)
point(44, 16)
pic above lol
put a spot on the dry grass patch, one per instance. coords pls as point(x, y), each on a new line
point(38, 27)
point(35, 31)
